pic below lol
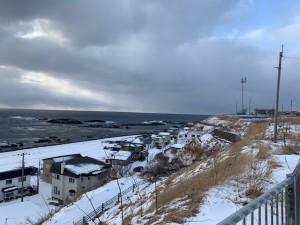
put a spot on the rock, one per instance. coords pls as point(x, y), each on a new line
point(65, 121)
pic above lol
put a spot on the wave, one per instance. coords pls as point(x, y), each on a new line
point(22, 118)
point(110, 122)
point(153, 122)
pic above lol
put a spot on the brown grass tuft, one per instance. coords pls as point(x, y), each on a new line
point(264, 152)
point(289, 150)
point(293, 120)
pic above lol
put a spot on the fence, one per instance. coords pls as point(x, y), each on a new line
point(281, 204)
point(108, 204)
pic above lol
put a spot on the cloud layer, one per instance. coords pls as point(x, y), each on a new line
point(146, 56)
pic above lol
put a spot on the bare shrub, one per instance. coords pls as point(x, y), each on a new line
point(254, 179)
point(158, 165)
point(43, 218)
point(191, 153)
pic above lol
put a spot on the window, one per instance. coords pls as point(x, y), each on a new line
point(20, 179)
point(71, 180)
point(8, 181)
point(56, 176)
point(56, 190)
point(72, 193)
point(9, 196)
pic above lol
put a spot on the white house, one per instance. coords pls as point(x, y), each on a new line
point(47, 176)
point(76, 176)
point(184, 136)
point(11, 183)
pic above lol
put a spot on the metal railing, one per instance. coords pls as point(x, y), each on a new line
point(279, 205)
point(108, 204)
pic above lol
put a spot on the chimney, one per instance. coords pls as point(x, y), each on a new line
point(62, 167)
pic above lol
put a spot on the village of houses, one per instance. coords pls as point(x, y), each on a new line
point(80, 168)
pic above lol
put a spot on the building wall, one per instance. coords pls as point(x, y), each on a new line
point(70, 185)
point(57, 186)
point(184, 137)
point(47, 176)
point(15, 182)
point(80, 185)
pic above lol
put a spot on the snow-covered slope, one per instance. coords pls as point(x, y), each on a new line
point(216, 203)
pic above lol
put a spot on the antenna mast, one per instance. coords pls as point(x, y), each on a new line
point(243, 81)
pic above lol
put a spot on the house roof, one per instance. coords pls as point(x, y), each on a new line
point(81, 166)
point(119, 155)
point(9, 174)
point(137, 141)
point(178, 146)
point(9, 189)
point(63, 157)
point(147, 141)
point(164, 133)
point(131, 144)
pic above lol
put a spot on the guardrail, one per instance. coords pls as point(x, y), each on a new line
point(280, 203)
point(108, 204)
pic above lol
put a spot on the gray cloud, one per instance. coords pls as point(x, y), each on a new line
point(150, 56)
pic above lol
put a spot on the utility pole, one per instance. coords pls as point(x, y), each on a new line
point(277, 94)
point(291, 106)
point(243, 81)
point(22, 177)
point(38, 178)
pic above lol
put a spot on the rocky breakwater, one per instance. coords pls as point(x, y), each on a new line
point(65, 121)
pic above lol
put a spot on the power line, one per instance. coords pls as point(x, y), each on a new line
point(289, 57)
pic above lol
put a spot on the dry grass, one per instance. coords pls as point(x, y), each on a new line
point(274, 164)
point(178, 200)
point(193, 188)
point(292, 120)
point(190, 190)
point(294, 137)
point(263, 152)
point(229, 118)
point(289, 150)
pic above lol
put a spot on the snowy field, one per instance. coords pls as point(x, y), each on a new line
point(37, 206)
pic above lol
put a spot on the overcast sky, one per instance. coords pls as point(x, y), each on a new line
point(168, 56)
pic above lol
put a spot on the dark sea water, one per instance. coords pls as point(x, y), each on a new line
point(20, 128)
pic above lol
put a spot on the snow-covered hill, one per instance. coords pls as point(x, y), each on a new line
point(215, 185)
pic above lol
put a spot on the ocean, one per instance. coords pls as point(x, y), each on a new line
point(24, 128)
